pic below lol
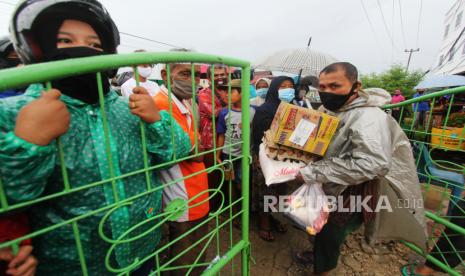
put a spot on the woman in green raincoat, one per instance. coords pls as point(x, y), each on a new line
point(47, 30)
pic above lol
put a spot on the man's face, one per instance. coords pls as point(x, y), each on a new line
point(183, 72)
point(335, 82)
point(220, 74)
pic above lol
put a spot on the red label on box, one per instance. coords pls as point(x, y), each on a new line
point(290, 123)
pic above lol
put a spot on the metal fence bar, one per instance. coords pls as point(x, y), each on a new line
point(435, 183)
point(148, 178)
point(57, 70)
point(246, 160)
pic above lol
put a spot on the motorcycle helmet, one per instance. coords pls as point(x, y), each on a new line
point(35, 24)
point(6, 47)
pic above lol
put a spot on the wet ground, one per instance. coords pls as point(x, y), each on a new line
point(357, 258)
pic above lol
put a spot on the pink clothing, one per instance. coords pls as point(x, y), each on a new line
point(397, 99)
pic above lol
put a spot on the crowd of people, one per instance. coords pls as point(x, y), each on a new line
point(369, 155)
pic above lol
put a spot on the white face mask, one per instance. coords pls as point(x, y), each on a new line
point(144, 72)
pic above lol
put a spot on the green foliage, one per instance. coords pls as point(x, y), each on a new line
point(394, 77)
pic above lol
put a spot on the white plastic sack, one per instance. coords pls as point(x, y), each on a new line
point(277, 171)
point(308, 208)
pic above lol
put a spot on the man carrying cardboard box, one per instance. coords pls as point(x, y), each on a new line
point(369, 158)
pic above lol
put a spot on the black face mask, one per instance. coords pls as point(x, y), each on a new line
point(333, 101)
point(13, 62)
point(82, 87)
point(9, 62)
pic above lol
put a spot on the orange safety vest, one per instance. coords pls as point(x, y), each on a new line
point(194, 185)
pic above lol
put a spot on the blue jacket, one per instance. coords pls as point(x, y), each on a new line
point(422, 106)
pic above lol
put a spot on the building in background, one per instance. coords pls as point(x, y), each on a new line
point(451, 57)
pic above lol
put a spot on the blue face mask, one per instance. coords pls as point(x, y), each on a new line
point(262, 92)
point(286, 94)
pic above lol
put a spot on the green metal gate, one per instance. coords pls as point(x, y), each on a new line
point(222, 241)
point(440, 155)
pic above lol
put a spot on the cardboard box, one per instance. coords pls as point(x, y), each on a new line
point(303, 128)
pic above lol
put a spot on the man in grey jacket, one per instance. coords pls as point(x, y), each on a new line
point(370, 158)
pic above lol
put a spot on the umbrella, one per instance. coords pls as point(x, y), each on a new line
point(294, 60)
point(441, 81)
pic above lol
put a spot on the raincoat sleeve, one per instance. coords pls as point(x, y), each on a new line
point(159, 139)
point(368, 156)
point(25, 167)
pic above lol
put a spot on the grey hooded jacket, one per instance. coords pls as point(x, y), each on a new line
point(370, 146)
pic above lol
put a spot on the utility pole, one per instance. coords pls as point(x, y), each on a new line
point(411, 51)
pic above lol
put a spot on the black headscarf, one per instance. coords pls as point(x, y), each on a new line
point(265, 113)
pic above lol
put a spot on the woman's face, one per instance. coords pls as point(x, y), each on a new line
point(262, 84)
point(286, 84)
point(75, 33)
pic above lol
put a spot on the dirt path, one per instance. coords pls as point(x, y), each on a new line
point(358, 258)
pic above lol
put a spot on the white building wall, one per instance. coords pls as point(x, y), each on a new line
point(452, 61)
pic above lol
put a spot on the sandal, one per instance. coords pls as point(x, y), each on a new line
point(277, 225)
point(409, 270)
point(304, 257)
point(266, 235)
point(264, 229)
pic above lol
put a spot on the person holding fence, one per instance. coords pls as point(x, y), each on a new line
point(97, 146)
point(13, 226)
point(188, 179)
point(9, 59)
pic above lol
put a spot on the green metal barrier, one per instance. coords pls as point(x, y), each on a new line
point(222, 242)
point(440, 155)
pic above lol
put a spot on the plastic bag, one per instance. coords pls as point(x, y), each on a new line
point(308, 208)
point(276, 171)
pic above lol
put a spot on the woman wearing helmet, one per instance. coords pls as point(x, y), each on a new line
point(9, 59)
point(49, 30)
point(8, 56)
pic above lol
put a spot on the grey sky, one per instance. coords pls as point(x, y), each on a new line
point(253, 29)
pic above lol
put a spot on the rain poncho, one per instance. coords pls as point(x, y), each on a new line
point(29, 172)
point(370, 145)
